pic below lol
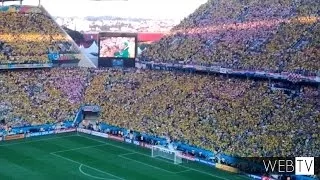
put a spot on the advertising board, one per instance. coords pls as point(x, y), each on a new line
point(254, 176)
point(190, 158)
point(145, 145)
point(100, 134)
point(117, 138)
point(39, 133)
point(86, 131)
point(205, 162)
point(59, 131)
point(13, 137)
point(227, 168)
point(136, 143)
point(33, 134)
point(127, 140)
point(47, 132)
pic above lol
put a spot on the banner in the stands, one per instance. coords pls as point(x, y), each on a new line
point(25, 66)
point(63, 57)
point(282, 75)
point(91, 108)
point(223, 70)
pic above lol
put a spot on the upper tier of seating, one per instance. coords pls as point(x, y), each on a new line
point(268, 35)
point(28, 35)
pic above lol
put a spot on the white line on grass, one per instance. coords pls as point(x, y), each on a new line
point(76, 162)
point(209, 174)
point(126, 154)
point(86, 147)
point(91, 176)
point(44, 139)
point(183, 171)
point(146, 164)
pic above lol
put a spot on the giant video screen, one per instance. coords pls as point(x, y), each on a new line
point(117, 49)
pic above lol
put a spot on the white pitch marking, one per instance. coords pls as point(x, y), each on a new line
point(76, 162)
point(146, 164)
point(89, 175)
point(192, 169)
point(27, 142)
point(125, 154)
point(183, 171)
point(86, 147)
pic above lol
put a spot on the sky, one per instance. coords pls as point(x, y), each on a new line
point(157, 9)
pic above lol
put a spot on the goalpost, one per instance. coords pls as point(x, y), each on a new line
point(172, 155)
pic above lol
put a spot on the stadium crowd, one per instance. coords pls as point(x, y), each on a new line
point(238, 117)
point(27, 35)
point(235, 116)
point(40, 96)
point(270, 35)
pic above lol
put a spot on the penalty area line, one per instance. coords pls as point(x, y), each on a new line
point(156, 167)
point(76, 162)
point(91, 176)
point(85, 147)
point(187, 170)
point(132, 151)
point(146, 164)
point(39, 140)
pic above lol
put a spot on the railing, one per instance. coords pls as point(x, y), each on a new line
point(293, 77)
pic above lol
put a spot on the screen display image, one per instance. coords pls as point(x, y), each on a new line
point(119, 47)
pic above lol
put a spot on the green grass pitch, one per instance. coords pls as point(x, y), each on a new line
point(75, 156)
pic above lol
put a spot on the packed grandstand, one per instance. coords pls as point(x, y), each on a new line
point(237, 116)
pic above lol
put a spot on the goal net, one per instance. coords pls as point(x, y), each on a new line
point(172, 155)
